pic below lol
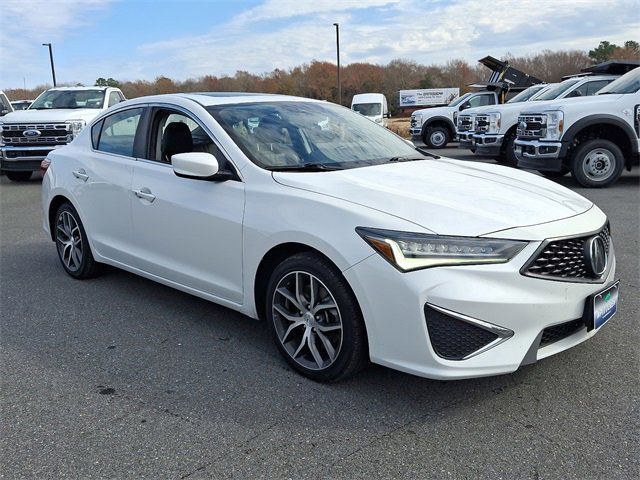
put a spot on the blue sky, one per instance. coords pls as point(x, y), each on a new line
point(138, 39)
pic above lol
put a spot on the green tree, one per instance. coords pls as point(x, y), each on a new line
point(108, 82)
point(602, 52)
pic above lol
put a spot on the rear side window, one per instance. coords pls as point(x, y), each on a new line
point(114, 98)
point(118, 132)
point(593, 87)
point(581, 91)
point(95, 133)
point(481, 101)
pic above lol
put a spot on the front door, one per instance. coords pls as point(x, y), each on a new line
point(187, 231)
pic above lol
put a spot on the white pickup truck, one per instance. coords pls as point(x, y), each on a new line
point(436, 126)
point(495, 127)
point(593, 138)
point(52, 121)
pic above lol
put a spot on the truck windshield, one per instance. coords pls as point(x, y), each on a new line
point(69, 99)
point(461, 99)
point(316, 136)
point(559, 89)
point(526, 94)
point(628, 83)
point(367, 109)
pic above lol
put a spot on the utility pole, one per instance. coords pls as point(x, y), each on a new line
point(338, 58)
point(53, 70)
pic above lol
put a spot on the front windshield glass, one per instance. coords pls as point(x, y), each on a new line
point(526, 94)
point(68, 99)
point(628, 83)
point(296, 135)
point(367, 109)
point(461, 99)
point(559, 89)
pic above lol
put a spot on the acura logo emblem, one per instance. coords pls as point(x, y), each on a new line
point(31, 133)
point(596, 255)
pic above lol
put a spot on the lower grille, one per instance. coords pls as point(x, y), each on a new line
point(455, 339)
point(566, 259)
point(558, 332)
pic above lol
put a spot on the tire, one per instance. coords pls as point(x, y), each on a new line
point(327, 347)
point(18, 176)
point(559, 174)
point(597, 163)
point(508, 155)
point(72, 245)
point(436, 137)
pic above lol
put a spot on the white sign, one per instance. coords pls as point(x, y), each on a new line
point(428, 97)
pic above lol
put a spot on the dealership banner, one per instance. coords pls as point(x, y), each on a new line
point(428, 97)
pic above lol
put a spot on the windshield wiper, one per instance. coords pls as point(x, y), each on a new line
point(424, 151)
point(305, 167)
point(404, 159)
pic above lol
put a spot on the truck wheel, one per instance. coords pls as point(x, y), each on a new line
point(508, 155)
point(18, 176)
point(597, 163)
point(436, 137)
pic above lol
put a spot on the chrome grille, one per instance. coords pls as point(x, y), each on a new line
point(482, 123)
point(566, 258)
point(466, 123)
point(50, 134)
point(532, 126)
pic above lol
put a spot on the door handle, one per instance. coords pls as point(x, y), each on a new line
point(81, 174)
point(145, 194)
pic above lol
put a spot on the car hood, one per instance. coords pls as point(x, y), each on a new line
point(51, 115)
point(432, 112)
point(558, 104)
point(445, 196)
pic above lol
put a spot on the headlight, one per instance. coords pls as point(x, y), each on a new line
point(414, 251)
point(1, 142)
point(555, 125)
point(76, 126)
point(494, 122)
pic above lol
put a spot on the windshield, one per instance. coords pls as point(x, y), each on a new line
point(559, 89)
point(290, 135)
point(526, 94)
point(628, 83)
point(461, 99)
point(367, 109)
point(69, 99)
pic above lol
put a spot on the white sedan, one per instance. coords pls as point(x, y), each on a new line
point(348, 241)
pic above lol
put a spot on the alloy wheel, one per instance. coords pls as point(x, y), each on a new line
point(307, 320)
point(69, 241)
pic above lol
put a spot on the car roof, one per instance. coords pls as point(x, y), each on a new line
point(207, 99)
point(80, 88)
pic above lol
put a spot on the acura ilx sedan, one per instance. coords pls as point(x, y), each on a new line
point(348, 241)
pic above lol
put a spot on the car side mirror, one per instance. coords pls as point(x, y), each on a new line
point(3, 112)
point(197, 166)
point(464, 106)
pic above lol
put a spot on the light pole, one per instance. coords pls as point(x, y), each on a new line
point(338, 58)
point(53, 70)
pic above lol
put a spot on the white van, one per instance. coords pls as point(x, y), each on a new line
point(373, 106)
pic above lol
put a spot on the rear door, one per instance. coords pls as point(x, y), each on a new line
point(187, 231)
point(103, 182)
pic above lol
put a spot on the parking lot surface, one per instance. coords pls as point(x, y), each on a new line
point(121, 377)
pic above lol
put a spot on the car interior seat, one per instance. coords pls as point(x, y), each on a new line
point(176, 138)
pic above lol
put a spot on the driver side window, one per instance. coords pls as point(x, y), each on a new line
point(174, 132)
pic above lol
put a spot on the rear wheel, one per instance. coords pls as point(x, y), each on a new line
point(314, 318)
point(436, 137)
point(73, 247)
point(597, 163)
point(18, 176)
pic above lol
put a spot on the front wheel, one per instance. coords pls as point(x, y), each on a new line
point(508, 154)
point(597, 163)
point(436, 137)
point(18, 176)
point(73, 247)
point(315, 319)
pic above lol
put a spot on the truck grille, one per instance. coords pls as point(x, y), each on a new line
point(566, 259)
point(414, 122)
point(532, 126)
point(482, 123)
point(47, 134)
point(466, 123)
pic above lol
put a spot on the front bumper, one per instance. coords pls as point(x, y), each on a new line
point(23, 159)
point(488, 144)
point(465, 140)
point(538, 155)
point(394, 307)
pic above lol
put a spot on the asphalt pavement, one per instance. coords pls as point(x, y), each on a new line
point(120, 377)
